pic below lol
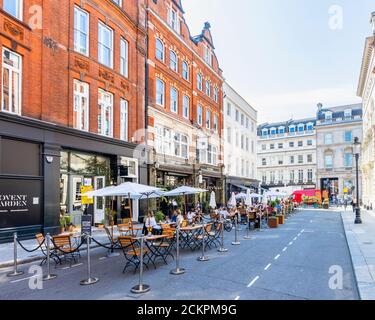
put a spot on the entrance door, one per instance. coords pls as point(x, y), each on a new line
point(99, 203)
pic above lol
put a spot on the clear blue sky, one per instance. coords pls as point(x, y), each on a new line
point(282, 56)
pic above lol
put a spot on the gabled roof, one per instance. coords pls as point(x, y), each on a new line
point(205, 35)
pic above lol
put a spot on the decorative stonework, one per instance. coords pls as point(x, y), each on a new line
point(106, 75)
point(13, 29)
point(125, 86)
point(81, 64)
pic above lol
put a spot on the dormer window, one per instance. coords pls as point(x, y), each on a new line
point(301, 127)
point(328, 116)
point(281, 130)
point(348, 113)
point(310, 127)
point(173, 20)
point(265, 132)
point(273, 131)
point(208, 56)
point(292, 129)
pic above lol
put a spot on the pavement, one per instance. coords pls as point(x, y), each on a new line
point(297, 261)
point(361, 242)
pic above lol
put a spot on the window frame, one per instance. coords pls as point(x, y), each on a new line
point(103, 26)
point(79, 10)
point(103, 112)
point(173, 107)
point(124, 119)
point(124, 61)
point(77, 114)
point(159, 81)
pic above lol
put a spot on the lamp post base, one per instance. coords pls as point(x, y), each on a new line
point(15, 274)
point(358, 219)
point(141, 288)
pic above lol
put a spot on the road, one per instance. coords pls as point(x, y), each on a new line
point(292, 262)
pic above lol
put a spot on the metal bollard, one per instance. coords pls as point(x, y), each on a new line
point(15, 272)
point(140, 287)
point(235, 242)
point(238, 218)
point(203, 257)
point(247, 237)
point(90, 280)
point(49, 276)
point(222, 248)
point(178, 270)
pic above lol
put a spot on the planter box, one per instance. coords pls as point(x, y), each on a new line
point(280, 219)
point(273, 223)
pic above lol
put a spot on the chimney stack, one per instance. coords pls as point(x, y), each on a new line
point(372, 21)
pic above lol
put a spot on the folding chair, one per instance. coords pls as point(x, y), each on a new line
point(43, 247)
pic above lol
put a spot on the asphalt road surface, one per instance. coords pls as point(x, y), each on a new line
point(307, 258)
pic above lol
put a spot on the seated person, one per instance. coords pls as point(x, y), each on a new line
point(174, 216)
point(191, 216)
point(179, 218)
point(150, 222)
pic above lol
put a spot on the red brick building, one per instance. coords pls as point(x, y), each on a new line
point(184, 100)
point(72, 95)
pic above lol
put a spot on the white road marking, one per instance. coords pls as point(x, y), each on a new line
point(237, 298)
point(303, 230)
point(77, 265)
point(65, 268)
point(277, 257)
point(286, 248)
point(294, 239)
point(253, 281)
point(268, 266)
point(102, 258)
point(23, 279)
point(290, 243)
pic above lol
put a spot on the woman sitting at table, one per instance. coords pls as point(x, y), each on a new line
point(190, 217)
point(150, 222)
point(174, 216)
point(180, 217)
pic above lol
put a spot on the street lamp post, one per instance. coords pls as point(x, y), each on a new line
point(356, 152)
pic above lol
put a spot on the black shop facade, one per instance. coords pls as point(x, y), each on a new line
point(43, 168)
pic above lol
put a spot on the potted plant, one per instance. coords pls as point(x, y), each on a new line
point(273, 222)
point(159, 216)
point(62, 224)
point(68, 224)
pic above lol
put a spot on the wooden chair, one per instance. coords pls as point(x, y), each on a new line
point(214, 235)
point(63, 247)
point(43, 247)
point(132, 251)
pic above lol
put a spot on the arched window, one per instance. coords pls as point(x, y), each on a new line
point(174, 61)
point(199, 82)
point(185, 70)
point(159, 50)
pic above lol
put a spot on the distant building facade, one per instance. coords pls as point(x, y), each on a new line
point(240, 136)
point(287, 155)
point(366, 90)
point(336, 129)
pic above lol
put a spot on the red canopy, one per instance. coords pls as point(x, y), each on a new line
point(300, 193)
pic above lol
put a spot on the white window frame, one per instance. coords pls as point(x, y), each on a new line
point(173, 64)
point(77, 105)
point(104, 28)
point(174, 20)
point(178, 142)
point(208, 119)
point(11, 71)
point(216, 94)
point(216, 123)
point(200, 115)
point(199, 82)
point(77, 30)
point(124, 120)
point(174, 103)
point(185, 106)
point(162, 51)
point(208, 88)
point(103, 106)
point(19, 7)
point(158, 93)
point(185, 70)
point(124, 57)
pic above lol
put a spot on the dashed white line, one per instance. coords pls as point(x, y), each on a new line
point(268, 266)
point(294, 239)
point(77, 265)
point(277, 257)
point(237, 298)
point(253, 281)
point(286, 248)
point(290, 243)
point(303, 230)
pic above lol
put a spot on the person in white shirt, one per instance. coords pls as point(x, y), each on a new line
point(151, 222)
point(191, 216)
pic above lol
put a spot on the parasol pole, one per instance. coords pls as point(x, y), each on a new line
point(131, 214)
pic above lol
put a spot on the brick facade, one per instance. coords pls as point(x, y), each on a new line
point(50, 63)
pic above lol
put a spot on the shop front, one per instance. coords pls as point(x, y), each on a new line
point(43, 168)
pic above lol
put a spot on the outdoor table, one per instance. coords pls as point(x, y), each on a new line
point(188, 236)
point(156, 249)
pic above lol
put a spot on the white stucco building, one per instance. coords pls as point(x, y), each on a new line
point(287, 155)
point(240, 134)
point(366, 90)
point(336, 129)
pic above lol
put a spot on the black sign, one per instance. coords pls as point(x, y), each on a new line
point(20, 203)
point(86, 224)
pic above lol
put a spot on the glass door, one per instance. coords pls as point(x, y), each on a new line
point(99, 203)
